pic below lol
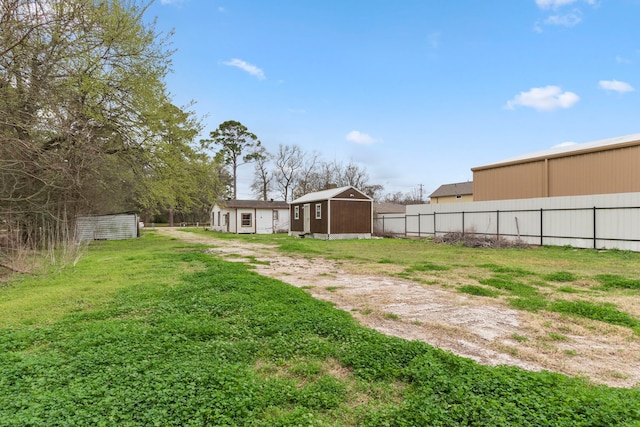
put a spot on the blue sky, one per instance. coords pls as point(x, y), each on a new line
point(416, 91)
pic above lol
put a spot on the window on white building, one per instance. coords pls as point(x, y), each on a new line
point(246, 219)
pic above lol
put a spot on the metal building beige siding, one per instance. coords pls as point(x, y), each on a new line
point(600, 170)
point(603, 172)
point(520, 181)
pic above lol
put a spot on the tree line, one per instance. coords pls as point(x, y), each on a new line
point(87, 124)
point(289, 172)
point(286, 174)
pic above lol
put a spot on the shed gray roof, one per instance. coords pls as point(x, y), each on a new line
point(253, 204)
point(455, 189)
point(568, 149)
point(325, 194)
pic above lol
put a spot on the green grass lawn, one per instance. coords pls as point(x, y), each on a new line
point(155, 332)
point(532, 279)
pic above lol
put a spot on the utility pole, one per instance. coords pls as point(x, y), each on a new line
point(420, 191)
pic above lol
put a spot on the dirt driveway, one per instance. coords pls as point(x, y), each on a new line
point(482, 329)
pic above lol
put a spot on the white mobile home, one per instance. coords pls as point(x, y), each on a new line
point(250, 217)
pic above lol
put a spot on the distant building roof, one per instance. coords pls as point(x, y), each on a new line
point(455, 189)
point(254, 204)
point(388, 208)
point(326, 194)
point(567, 150)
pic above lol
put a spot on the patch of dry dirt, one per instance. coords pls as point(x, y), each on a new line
point(483, 329)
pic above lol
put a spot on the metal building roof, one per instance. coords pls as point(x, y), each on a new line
point(567, 150)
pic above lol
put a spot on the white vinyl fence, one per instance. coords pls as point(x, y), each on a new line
point(599, 221)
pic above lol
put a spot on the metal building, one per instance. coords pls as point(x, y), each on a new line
point(600, 167)
point(107, 227)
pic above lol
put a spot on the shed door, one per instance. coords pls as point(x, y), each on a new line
point(307, 217)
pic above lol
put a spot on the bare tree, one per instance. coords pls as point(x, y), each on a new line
point(288, 161)
point(263, 175)
point(308, 176)
point(354, 175)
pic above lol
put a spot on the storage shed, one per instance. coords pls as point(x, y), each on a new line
point(600, 167)
point(250, 216)
point(107, 227)
point(337, 213)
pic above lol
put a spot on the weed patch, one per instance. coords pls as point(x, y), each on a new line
point(515, 288)
point(426, 266)
point(511, 271)
point(614, 281)
point(568, 290)
point(478, 291)
point(532, 304)
point(560, 276)
point(603, 312)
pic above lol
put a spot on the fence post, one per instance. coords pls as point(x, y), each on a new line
point(498, 224)
point(541, 231)
point(595, 244)
point(405, 225)
point(462, 223)
point(419, 233)
point(434, 225)
point(383, 225)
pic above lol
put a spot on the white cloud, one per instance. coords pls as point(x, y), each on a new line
point(622, 60)
point(616, 86)
point(556, 4)
point(245, 66)
point(563, 19)
point(358, 137)
point(546, 98)
point(553, 4)
point(568, 20)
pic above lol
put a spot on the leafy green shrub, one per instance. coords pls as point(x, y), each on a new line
point(478, 291)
